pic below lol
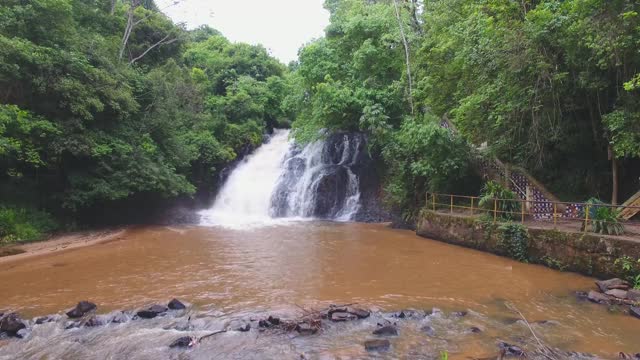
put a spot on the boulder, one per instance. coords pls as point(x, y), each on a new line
point(634, 311)
point(176, 304)
point(306, 329)
point(388, 330)
point(81, 309)
point(339, 316)
point(152, 311)
point(581, 295)
point(617, 293)
point(428, 330)
point(377, 345)
point(185, 341)
point(475, 330)
point(598, 298)
point(11, 324)
point(634, 295)
point(94, 321)
point(360, 313)
point(606, 285)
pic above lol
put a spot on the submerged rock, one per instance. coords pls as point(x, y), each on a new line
point(360, 313)
point(152, 312)
point(12, 324)
point(244, 328)
point(511, 350)
point(94, 321)
point(274, 320)
point(45, 319)
point(475, 330)
point(606, 285)
point(81, 309)
point(634, 311)
point(176, 304)
point(185, 341)
point(428, 330)
point(377, 345)
point(387, 330)
point(460, 313)
point(119, 318)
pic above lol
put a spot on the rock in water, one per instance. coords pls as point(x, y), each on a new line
point(360, 313)
point(81, 309)
point(511, 350)
point(635, 311)
point(94, 321)
point(342, 316)
point(633, 295)
point(244, 328)
point(597, 297)
point(377, 345)
point(306, 329)
point(152, 312)
point(620, 294)
point(176, 304)
point(428, 330)
point(11, 324)
point(606, 285)
point(388, 330)
point(185, 341)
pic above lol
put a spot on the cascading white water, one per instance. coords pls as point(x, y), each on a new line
point(245, 197)
point(282, 181)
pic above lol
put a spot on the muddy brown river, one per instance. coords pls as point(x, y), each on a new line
point(236, 275)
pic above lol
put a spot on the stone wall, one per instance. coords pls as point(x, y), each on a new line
point(585, 253)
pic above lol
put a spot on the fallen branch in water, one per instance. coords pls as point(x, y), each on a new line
point(210, 335)
point(543, 349)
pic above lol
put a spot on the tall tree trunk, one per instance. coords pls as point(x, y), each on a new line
point(113, 6)
point(614, 177)
point(406, 53)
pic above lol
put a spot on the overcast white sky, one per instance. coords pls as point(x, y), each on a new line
point(282, 26)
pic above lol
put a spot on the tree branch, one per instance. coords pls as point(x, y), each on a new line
point(163, 41)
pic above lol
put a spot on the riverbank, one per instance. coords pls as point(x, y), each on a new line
point(561, 249)
point(60, 243)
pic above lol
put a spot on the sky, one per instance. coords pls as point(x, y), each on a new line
point(281, 26)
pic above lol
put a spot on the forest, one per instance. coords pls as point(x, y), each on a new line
point(109, 105)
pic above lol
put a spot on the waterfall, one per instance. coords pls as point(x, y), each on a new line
point(281, 181)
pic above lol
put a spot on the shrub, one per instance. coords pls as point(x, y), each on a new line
point(514, 241)
point(603, 219)
point(495, 194)
point(23, 225)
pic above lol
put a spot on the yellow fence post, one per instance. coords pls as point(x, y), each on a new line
point(555, 215)
point(472, 205)
point(451, 211)
point(522, 211)
point(495, 210)
point(433, 200)
point(586, 218)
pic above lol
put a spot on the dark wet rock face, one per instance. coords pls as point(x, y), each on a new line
point(176, 304)
point(152, 312)
point(81, 309)
point(328, 180)
point(634, 311)
point(387, 330)
point(377, 345)
point(182, 342)
point(11, 324)
point(342, 316)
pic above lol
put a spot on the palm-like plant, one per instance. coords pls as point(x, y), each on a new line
point(603, 219)
point(496, 195)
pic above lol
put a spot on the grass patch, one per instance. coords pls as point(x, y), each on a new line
point(19, 225)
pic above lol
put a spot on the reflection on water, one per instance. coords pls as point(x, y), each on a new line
point(231, 274)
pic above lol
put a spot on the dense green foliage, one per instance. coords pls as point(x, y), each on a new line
point(495, 197)
point(602, 218)
point(101, 104)
point(22, 225)
point(514, 241)
point(540, 82)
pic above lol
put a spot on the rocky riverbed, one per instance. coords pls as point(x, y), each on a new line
point(617, 294)
point(168, 330)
